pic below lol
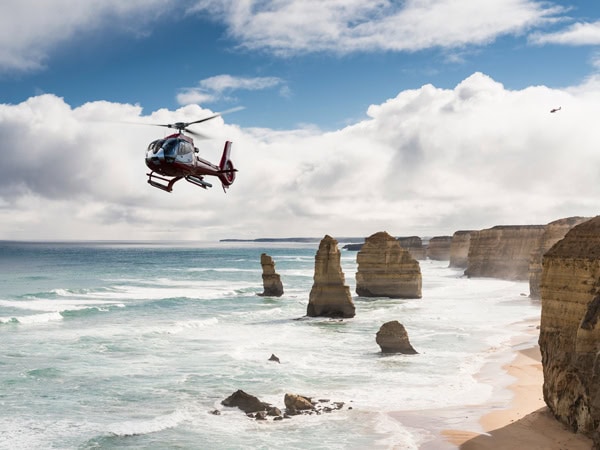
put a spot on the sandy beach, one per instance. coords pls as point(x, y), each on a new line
point(526, 423)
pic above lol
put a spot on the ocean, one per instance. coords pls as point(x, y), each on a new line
point(133, 345)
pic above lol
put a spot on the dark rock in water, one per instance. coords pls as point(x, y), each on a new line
point(271, 280)
point(246, 402)
point(296, 402)
point(274, 411)
point(260, 415)
point(274, 358)
point(393, 338)
point(216, 412)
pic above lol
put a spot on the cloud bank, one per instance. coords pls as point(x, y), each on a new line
point(429, 161)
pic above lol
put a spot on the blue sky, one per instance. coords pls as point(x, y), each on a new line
point(149, 61)
point(359, 116)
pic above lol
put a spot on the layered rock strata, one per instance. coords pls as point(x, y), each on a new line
point(329, 296)
point(553, 233)
point(459, 248)
point(414, 245)
point(503, 251)
point(393, 338)
point(271, 280)
point(570, 328)
point(438, 248)
point(385, 269)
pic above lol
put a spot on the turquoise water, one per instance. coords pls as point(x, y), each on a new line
point(133, 345)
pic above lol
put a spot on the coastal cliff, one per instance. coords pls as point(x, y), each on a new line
point(385, 269)
point(459, 248)
point(503, 251)
point(570, 330)
point(438, 248)
point(414, 245)
point(553, 233)
point(329, 296)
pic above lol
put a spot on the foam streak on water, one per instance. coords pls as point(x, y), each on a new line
point(132, 346)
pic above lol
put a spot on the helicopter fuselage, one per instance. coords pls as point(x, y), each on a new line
point(175, 156)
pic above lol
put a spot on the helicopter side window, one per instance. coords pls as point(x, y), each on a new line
point(185, 148)
point(155, 145)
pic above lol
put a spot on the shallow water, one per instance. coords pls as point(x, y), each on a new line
point(132, 345)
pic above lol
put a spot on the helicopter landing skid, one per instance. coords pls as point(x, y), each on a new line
point(165, 187)
point(198, 181)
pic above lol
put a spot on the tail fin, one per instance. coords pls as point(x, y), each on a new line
point(227, 172)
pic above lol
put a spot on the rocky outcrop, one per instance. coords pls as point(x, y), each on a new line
point(459, 248)
point(271, 280)
point(385, 269)
point(553, 233)
point(438, 248)
point(295, 402)
point(503, 251)
point(329, 296)
point(246, 402)
point(570, 328)
point(393, 338)
point(414, 245)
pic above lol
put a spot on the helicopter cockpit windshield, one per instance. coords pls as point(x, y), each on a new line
point(170, 147)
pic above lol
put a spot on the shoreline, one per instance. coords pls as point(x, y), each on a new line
point(526, 421)
point(515, 416)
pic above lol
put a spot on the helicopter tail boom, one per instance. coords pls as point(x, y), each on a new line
point(226, 169)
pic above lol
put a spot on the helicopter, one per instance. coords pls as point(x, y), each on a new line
point(175, 157)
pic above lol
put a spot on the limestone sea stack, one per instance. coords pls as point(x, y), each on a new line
point(385, 269)
point(570, 330)
point(503, 251)
point(271, 280)
point(438, 248)
point(459, 248)
point(393, 338)
point(329, 296)
point(553, 233)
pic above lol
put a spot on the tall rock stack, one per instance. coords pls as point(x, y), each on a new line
point(553, 233)
point(271, 280)
point(329, 296)
point(438, 248)
point(385, 269)
point(570, 328)
point(503, 251)
point(459, 248)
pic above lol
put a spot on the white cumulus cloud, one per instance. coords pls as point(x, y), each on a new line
point(428, 161)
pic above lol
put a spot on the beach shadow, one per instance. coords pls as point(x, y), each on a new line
point(538, 430)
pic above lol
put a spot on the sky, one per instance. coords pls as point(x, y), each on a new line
point(415, 117)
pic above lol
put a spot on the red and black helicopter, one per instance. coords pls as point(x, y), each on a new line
point(174, 158)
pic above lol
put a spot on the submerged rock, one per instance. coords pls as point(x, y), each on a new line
point(393, 338)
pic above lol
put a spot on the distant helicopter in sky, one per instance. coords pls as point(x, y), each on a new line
point(553, 110)
point(175, 157)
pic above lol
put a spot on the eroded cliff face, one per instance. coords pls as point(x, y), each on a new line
point(570, 330)
point(503, 251)
point(414, 245)
point(329, 296)
point(459, 248)
point(553, 233)
point(439, 248)
point(385, 269)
